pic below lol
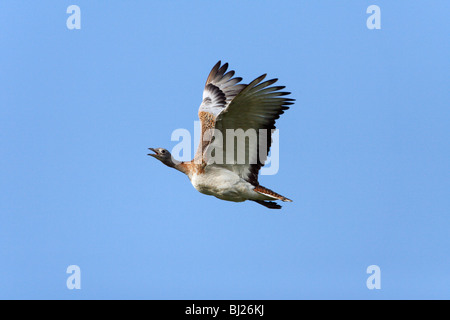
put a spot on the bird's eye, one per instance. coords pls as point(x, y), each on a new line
point(163, 151)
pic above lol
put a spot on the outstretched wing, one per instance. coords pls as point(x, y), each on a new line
point(220, 89)
point(255, 107)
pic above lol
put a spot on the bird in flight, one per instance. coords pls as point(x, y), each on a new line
point(221, 167)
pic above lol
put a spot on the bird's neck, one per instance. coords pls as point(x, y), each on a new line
point(182, 167)
point(189, 168)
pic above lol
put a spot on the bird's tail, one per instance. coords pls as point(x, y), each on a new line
point(271, 194)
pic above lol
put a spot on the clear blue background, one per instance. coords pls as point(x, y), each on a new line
point(364, 151)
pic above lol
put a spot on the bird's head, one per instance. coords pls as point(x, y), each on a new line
point(162, 155)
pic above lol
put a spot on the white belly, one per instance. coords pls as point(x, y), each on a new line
point(223, 184)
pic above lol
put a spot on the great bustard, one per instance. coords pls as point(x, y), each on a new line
point(228, 105)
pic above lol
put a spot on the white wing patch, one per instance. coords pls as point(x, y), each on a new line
point(220, 89)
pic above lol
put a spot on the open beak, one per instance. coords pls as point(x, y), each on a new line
point(155, 154)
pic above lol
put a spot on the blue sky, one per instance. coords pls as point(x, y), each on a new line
point(364, 152)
